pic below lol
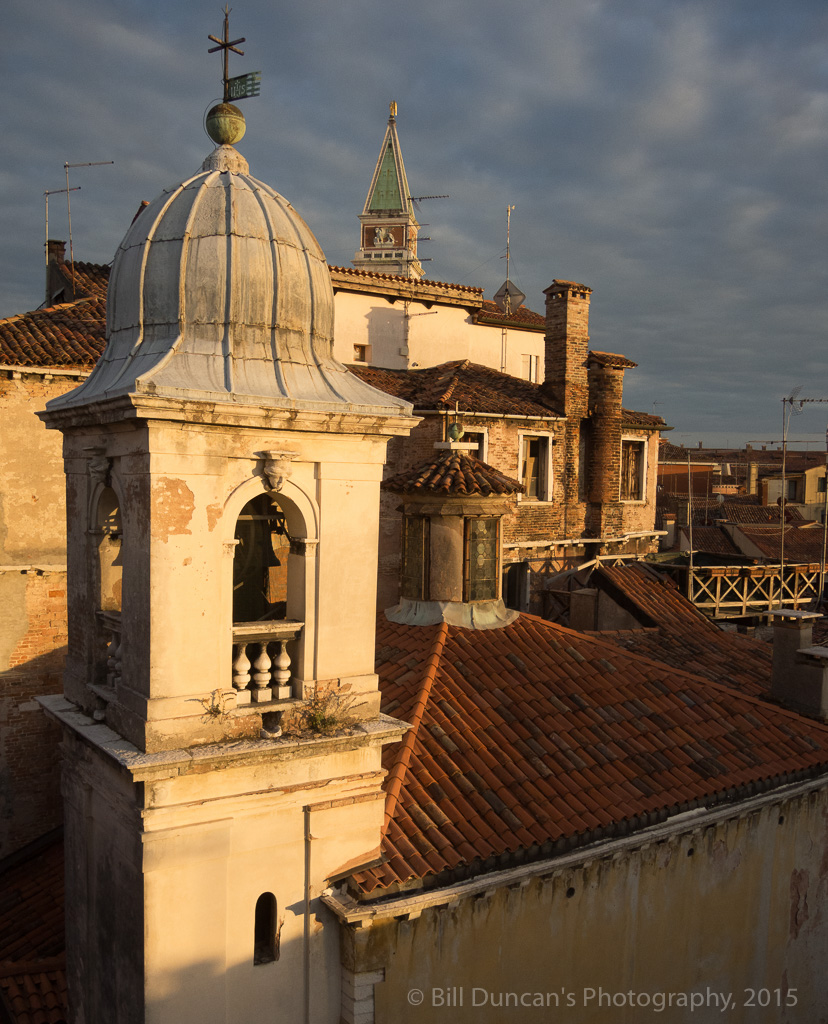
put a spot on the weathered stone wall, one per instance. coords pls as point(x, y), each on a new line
point(734, 908)
point(33, 603)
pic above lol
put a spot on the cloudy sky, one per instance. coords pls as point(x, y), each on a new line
point(671, 154)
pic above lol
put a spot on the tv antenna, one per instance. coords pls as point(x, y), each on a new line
point(67, 190)
point(46, 194)
point(792, 404)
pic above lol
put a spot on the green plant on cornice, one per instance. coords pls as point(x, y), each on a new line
point(326, 713)
point(215, 706)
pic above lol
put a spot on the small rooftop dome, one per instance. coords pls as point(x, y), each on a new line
point(220, 292)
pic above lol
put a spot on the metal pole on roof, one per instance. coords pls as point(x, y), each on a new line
point(66, 166)
point(824, 527)
point(690, 526)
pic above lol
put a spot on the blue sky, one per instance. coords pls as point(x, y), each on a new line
point(671, 154)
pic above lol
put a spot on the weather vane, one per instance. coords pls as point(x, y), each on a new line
point(244, 85)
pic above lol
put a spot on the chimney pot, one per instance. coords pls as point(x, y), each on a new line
point(799, 677)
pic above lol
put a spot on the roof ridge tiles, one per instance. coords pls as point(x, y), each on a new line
point(396, 776)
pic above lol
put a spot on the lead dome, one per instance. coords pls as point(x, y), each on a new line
point(220, 291)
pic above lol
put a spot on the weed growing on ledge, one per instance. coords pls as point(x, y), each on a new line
point(325, 714)
point(215, 706)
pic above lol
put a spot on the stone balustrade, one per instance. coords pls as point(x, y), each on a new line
point(261, 663)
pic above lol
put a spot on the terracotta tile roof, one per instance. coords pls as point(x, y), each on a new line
point(532, 738)
point(611, 359)
point(395, 278)
point(491, 313)
point(711, 540)
point(742, 512)
point(677, 634)
point(476, 388)
point(70, 334)
point(91, 279)
point(668, 452)
point(32, 965)
point(453, 472)
point(802, 543)
point(35, 993)
point(630, 418)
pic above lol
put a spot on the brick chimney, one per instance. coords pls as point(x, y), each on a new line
point(800, 671)
point(566, 345)
point(565, 371)
point(605, 377)
point(55, 258)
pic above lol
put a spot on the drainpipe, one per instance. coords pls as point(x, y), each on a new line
point(307, 972)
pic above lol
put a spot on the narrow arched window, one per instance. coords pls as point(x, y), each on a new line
point(266, 937)
point(108, 530)
point(260, 564)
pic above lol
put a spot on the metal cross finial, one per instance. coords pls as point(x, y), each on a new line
point(227, 45)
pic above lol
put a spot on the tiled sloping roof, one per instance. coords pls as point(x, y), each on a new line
point(32, 966)
point(90, 278)
point(453, 472)
point(395, 279)
point(711, 540)
point(668, 452)
point(473, 387)
point(491, 313)
point(741, 512)
point(533, 737)
point(682, 637)
point(802, 543)
point(35, 993)
point(631, 418)
point(70, 334)
point(611, 359)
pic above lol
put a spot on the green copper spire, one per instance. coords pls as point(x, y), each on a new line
point(389, 228)
point(389, 186)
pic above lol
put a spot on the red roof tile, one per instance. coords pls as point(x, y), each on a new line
point(32, 966)
point(473, 387)
point(491, 313)
point(453, 472)
point(677, 634)
point(532, 735)
point(71, 334)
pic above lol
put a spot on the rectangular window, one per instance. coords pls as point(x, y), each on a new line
point(414, 582)
point(632, 470)
point(477, 437)
point(481, 559)
point(535, 467)
point(821, 485)
point(360, 353)
point(530, 368)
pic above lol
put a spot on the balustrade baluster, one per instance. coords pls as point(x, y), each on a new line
point(241, 673)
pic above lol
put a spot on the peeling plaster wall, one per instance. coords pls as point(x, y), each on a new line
point(33, 603)
point(737, 906)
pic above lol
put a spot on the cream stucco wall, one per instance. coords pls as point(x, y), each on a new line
point(167, 856)
point(401, 333)
point(735, 907)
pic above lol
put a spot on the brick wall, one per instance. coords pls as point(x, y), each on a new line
point(32, 652)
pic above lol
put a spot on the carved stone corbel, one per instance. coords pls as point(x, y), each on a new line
point(277, 468)
point(100, 466)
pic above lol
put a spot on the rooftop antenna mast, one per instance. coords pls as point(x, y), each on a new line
point(67, 190)
point(791, 404)
point(508, 297)
point(46, 194)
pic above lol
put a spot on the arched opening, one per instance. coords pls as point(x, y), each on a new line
point(108, 533)
point(265, 933)
point(109, 570)
point(260, 563)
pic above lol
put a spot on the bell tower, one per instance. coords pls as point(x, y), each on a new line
point(222, 733)
point(388, 227)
